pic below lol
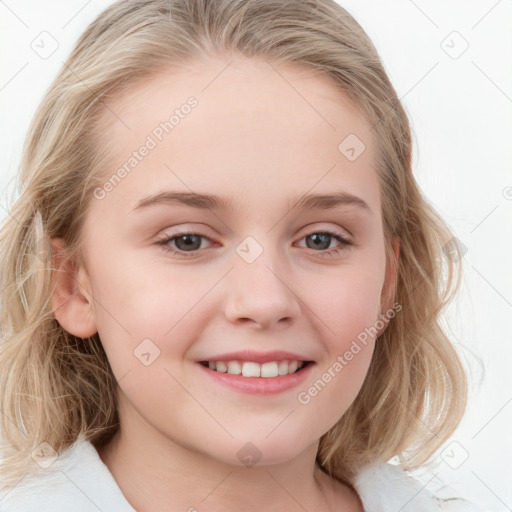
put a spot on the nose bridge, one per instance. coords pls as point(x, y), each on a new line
point(259, 289)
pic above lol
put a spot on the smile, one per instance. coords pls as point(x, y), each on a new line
point(252, 369)
point(268, 378)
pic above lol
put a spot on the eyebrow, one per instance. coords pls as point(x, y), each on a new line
point(329, 201)
point(208, 201)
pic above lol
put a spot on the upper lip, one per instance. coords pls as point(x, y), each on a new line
point(258, 357)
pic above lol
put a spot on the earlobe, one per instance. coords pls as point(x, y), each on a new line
point(71, 304)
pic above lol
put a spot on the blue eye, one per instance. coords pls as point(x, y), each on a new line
point(188, 244)
point(322, 240)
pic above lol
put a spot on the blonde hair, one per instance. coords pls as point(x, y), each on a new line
point(56, 387)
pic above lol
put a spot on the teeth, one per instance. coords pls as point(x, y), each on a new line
point(221, 367)
point(269, 369)
point(283, 368)
point(234, 368)
point(252, 369)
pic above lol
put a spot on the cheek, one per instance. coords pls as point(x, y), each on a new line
point(143, 295)
point(349, 340)
point(146, 325)
point(138, 313)
point(347, 302)
point(347, 311)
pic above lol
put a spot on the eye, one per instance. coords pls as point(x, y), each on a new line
point(322, 240)
point(187, 244)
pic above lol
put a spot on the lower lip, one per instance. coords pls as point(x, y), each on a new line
point(259, 385)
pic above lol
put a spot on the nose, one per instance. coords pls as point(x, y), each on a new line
point(260, 296)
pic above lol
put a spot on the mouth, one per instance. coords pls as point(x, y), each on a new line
point(252, 369)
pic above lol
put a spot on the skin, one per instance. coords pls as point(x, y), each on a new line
point(262, 135)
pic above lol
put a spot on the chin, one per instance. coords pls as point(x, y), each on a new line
point(266, 452)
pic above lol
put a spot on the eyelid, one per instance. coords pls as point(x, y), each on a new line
point(342, 233)
point(165, 237)
point(186, 229)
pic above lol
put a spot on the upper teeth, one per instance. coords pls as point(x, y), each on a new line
point(252, 369)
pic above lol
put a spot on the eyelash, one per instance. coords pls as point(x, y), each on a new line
point(188, 254)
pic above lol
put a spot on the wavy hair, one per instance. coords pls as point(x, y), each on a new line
point(56, 387)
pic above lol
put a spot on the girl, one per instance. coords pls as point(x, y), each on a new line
point(221, 283)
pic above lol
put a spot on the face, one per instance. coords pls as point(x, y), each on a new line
point(254, 273)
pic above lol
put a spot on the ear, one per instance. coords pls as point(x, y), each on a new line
point(389, 286)
point(71, 299)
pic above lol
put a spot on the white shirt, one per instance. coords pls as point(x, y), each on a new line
point(79, 481)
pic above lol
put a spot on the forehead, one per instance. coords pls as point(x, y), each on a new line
point(256, 128)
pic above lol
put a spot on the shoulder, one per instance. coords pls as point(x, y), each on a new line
point(76, 480)
point(384, 487)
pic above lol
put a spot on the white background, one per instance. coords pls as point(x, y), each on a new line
point(461, 114)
